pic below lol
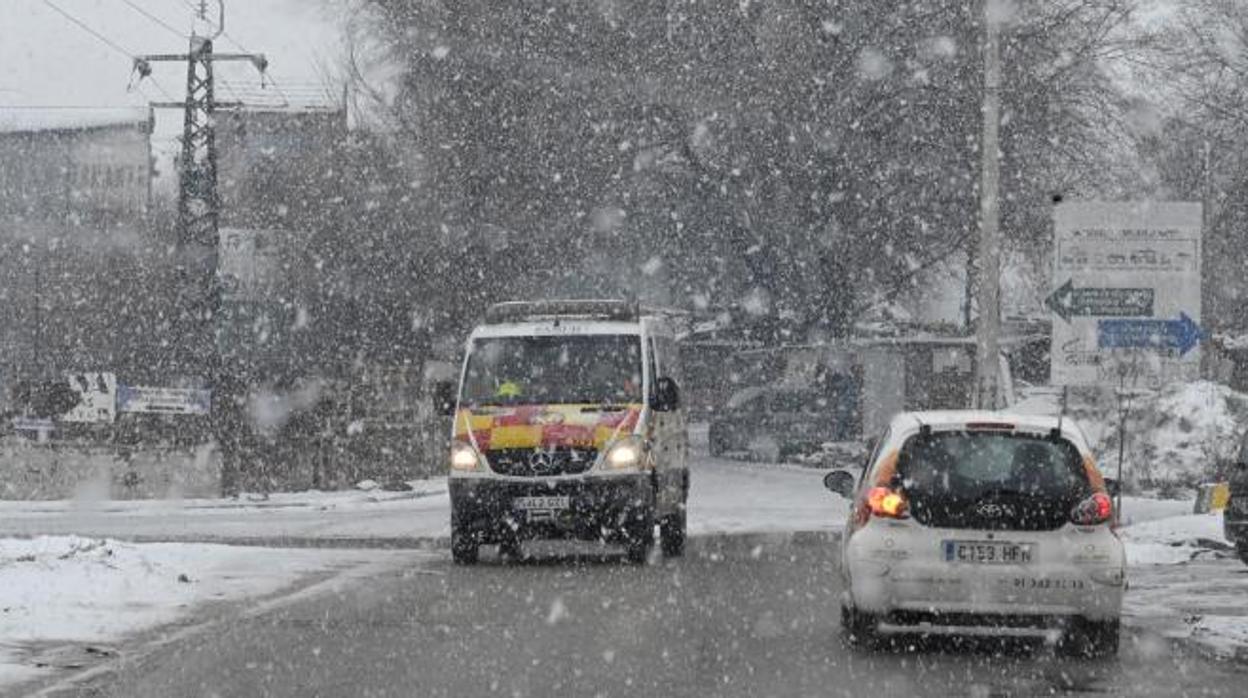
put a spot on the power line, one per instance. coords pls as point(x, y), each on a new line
point(160, 88)
point(106, 41)
point(156, 19)
point(85, 27)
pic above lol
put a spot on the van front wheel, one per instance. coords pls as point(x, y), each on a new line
point(672, 533)
point(464, 548)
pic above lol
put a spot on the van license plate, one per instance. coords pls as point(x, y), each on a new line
point(547, 503)
point(987, 552)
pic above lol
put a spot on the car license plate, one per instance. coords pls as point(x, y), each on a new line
point(987, 552)
point(540, 503)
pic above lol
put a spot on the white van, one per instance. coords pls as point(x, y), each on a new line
point(568, 424)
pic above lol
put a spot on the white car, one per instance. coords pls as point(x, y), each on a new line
point(982, 523)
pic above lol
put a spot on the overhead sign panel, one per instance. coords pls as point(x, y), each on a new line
point(1126, 293)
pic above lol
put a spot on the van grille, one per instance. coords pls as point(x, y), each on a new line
point(541, 462)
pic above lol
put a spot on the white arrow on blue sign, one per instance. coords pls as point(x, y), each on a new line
point(1182, 334)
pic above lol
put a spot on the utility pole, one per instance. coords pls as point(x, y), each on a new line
point(1208, 314)
point(988, 293)
point(198, 235)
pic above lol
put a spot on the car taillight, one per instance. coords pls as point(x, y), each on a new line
point(1094, 510)
point(885, 502)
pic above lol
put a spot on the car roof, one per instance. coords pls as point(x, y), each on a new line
point(945, 420)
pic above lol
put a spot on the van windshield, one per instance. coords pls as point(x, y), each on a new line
point(569, 369)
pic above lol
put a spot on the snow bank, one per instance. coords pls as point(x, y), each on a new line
point(1174, 539)
point(1186, 581)
point(69, 589)
point(1176, 437)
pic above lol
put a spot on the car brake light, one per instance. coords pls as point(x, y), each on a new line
point(989, 426)
point(1094, 510)
point(885, 502)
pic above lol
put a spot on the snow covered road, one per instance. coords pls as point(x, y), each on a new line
point(725, 497)
point(85, 588)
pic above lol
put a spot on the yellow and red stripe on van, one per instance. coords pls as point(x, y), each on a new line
point(545, 426)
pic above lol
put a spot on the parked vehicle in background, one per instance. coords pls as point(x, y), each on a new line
point(568, 424)
point(779, 422)
point(1235, 517)
point(982, 523)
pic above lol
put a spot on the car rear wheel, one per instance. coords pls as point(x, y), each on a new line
point(464, 548)
point(859, 629)
point(1090, 639)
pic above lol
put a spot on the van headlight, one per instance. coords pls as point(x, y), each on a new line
point(464, 457)
point(625, 454)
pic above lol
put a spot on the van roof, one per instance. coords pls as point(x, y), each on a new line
point(559, 327)
point(591, 309)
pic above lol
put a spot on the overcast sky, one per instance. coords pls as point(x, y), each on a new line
point(47, 60)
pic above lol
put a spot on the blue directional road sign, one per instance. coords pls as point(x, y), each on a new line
point(1182, 334)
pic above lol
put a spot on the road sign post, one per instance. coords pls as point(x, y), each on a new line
point(1126, 283)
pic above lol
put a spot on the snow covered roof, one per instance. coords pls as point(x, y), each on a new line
point(71, 119)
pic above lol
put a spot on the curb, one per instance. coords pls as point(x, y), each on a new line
point(716, 540)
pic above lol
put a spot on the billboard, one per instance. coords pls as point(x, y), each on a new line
point(1126, 296)
point(97, 398)
point(249, 262)
point(190, 401)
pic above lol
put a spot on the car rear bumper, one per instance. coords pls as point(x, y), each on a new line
point(598, 507)
point(897, 571)
point(996, 625)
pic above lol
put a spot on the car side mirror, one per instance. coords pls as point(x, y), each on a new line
point(666, 395)
point(444, 398)
point(841, 482)
point(1112, 487)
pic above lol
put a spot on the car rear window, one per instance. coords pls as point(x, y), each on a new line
point(977, 463)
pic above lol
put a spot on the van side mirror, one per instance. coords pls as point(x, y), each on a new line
point(666, 395)
point(1112, 487)
point(840, 482)
point(444, 398)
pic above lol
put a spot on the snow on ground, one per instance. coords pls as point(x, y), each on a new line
point(1173, 539)
point(422, 512)
point(58, 591)
point(727, 497)
point(1186, 581)
point(1178, 580)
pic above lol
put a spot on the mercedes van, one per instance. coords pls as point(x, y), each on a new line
point(568, 424)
